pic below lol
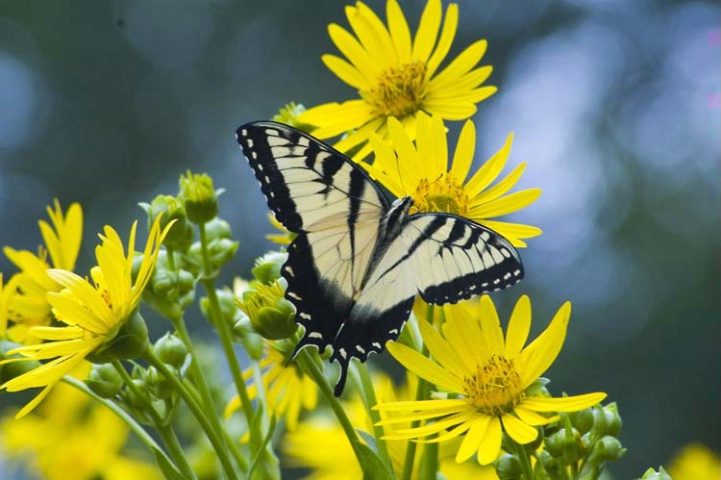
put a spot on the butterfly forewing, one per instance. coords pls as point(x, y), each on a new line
point(334, 208)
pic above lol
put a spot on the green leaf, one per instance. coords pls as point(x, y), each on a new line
point(373, 467)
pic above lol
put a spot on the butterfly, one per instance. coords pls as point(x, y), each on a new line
point(358, 261)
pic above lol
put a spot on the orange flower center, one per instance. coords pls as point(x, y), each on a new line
point(494, 388)
point(444, 194)
point(399, 90)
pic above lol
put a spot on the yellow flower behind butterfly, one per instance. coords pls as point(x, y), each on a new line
point(93, 314)
point(397, 76)
point(421, 170)
point(482, 381)
point(27, 304)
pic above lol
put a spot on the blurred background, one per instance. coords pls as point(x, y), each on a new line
point(614, 105)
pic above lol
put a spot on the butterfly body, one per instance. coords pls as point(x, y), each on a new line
point(358, 261)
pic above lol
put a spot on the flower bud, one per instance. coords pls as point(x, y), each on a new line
point(582, 420)
point(199, 197)
point(267, 268)
point(159, 385)
point(218, 228)
point(607, 449)
point(651, 474)
point(271, 315)
point(564, 443)
point(220, 252)
point(613, 420)
point(131, 341)
point(508, 468)
point(104, 380)
point(289, 115)
point(171, 351)
point(228, 308)
point(243, 330)
point(180, 235)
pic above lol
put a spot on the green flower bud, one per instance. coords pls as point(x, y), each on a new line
point(216, 229)
point(243, 330)
point(582, 420)
point(508, 467)
point(158, 384)
point(220, 252)
point(267, 268)
point(289, 115)
point(613, 420)
point(271, 315)
point(171, 351)
point(199, 197)
point(228, 309)
point(180, 235)
point(104, 380)
point(607, 449)
point(11, 370)
point(553, 466)
point(131, 341)
point(564, 443)
point(133, 400)
point(651, 474)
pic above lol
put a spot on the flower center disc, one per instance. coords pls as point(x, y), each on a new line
point(441, 195)
point(494, 388)
point(399, 91)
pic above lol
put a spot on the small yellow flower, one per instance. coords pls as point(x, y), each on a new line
point(70, 437)
point(695, 462)
point(287, 390)
point(339, 461)
point(421, 171)
point(92, 313)
point(29, 307)
point(397, 76)
point(482, 380)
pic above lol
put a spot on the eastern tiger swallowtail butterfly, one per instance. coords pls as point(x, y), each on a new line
point(358, 261)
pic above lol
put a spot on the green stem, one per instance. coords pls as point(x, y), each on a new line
point(309, 366)
point(421, 394)
point(223, 330)
point(205, 395)
point(190, 400)
point(370, 401)
point(134, 426)
point(523, 457)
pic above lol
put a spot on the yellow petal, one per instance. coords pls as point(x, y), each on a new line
point(448, 33)
point(519, 431)
point(472, 441)
point(542, 352)
point(421, 405)
point(353, 51)
point(406, 418)
point(431, 145)
point(501, 187)
point(491, 445)
point(346, 72)
point(465, 149)
point(491, 326)
point(518, 327)
point(490, 169)
point(466, 83)
point(427, 31)
point(532, 418)
point(563, 404)
point(71, 309)
point(372, 34)
point(332, 119)
point(512, 230)
point(439, 348)
point(430, 428)
point(450, 110)
point(463, 335)
point(399, 31)
point(462, 64)
point(425, 368)
point(508, 204)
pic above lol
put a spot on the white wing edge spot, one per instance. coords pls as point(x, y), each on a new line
point(315, 335)
point(360, 349)
point(393, 332)
point(305, 316)
point(377, 345)
point(293, 295)
point(343, 353)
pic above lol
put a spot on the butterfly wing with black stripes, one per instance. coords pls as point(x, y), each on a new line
point(334, 208)
point(442, 257)
point(357, 263)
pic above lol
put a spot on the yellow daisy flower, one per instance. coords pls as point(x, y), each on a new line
point(339, 461)
point(93, 314)
point(421, 171)
point(695, 462)
point(287, 390)
point(397, 76)
point(79, 440)
point(482, 380)
point(62, 244)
